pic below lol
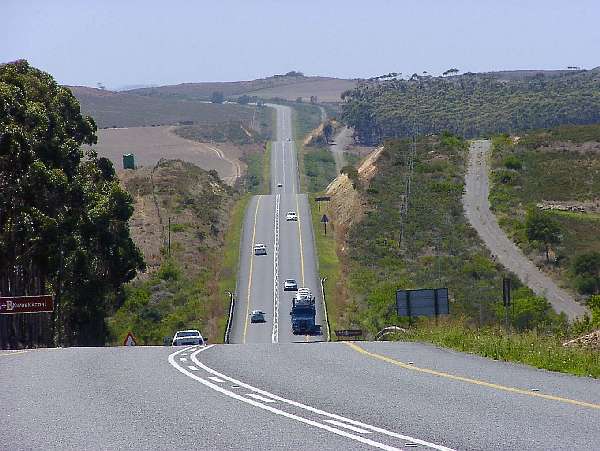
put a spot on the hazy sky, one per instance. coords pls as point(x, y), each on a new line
point(125, 42)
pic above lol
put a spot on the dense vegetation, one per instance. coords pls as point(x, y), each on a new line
point(552, 167)
point(63, 216)
point(183, 292)
point(470, 104)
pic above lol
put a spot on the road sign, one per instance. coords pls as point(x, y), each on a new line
point(129, 340)
point(323, 198)
point(349, 333)
point(424, 302)
point(11, 305)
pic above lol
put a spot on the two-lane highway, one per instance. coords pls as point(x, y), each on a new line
point(290, 250)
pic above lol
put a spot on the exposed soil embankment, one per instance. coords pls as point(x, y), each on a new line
point(346, 204)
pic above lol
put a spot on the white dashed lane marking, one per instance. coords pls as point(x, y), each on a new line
point(216, 379)
point(193, 368)
point(347, 426)
point(260, 398)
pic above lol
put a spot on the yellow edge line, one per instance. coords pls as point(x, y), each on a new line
point(250, 275)
point(12, 353)
point(300, 234)
point(470, 381)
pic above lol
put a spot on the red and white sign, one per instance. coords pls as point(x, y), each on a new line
point(26, 304)
point(129, 340)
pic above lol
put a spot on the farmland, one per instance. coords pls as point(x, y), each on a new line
point(150, 144)
point(123, 109)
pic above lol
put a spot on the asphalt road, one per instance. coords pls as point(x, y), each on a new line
point(477, 211)
point(290, 250)
point(290, 396)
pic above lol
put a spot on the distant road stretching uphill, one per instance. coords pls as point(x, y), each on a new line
point(290, 250)
point(477, 209)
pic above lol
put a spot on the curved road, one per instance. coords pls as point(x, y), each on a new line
point(290, 396)
point(477, 209)
point(290, 250)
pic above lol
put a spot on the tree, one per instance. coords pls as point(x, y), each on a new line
point(243, 99)
point(587, 269)
point(298, 99)
point(217, 97)
point(450, 72)
point(63, 215)
point(540, 227)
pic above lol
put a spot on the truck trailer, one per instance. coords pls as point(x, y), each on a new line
point(303, 313)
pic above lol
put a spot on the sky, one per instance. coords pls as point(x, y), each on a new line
point(154, 42)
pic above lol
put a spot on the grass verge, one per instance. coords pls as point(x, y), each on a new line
point(227, 277)
point(329, 264)
point(530, 347)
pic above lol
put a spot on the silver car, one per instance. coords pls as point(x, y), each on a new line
point(190, 337)
point(290, 285)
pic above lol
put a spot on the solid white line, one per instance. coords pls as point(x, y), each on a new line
point(193, 368)
point(347, 426)
point(260, 398)
point(283, 162)
point(275, 410)
point(275, 333)
point(216, 379)
point(313, 409)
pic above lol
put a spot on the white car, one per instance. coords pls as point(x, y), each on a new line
point(260, 249)
point(291, 216)
point(188, 338)
point(290, 285)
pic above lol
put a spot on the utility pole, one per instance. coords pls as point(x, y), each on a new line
point(169, 238)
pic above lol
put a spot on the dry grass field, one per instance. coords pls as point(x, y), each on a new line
point(123, 109)
point(150, 144)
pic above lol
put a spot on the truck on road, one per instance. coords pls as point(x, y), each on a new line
point(303, 313)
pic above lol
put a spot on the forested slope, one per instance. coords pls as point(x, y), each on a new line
point(471, 104)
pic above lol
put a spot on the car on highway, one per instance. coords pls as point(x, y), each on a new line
point(291, 216)
point(279, 185)
point(257, 316)
point(260, 249)
point(190, 337)
point(290, 285)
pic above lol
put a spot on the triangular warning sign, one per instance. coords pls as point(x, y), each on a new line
point(129, 340)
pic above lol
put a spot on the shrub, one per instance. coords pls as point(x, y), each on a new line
point(513, 162)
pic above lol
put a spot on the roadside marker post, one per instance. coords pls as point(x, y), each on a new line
point(325, 220)
point(506, 299)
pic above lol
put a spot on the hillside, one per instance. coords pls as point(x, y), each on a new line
point(287, 87)
point(127, 109)
point(555, 171)
point(179, 291)
point(472, 105)
point(440, 249)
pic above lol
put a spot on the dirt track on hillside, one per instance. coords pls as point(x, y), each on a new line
point(477, 210)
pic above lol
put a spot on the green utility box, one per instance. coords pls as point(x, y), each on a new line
point(128, 161)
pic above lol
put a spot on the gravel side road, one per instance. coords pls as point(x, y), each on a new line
point(342, 139)
point(477, 210)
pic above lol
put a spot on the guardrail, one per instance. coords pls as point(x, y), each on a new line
point(387, 331)
point(230, 317)
point(325, 308)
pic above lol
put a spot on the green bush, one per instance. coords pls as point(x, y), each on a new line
point(513, 162)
